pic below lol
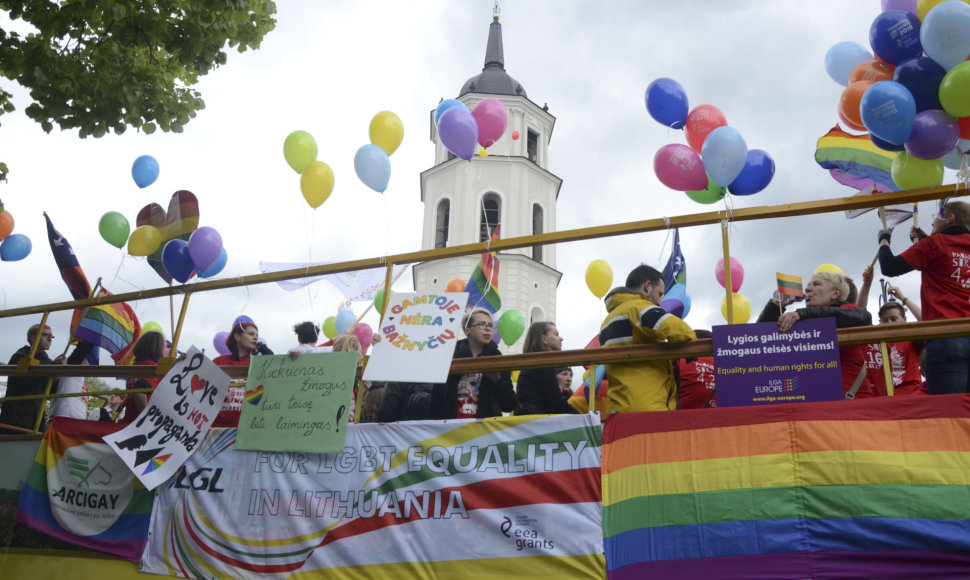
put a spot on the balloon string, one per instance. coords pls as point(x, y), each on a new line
point(118, 271)
point(310, 227)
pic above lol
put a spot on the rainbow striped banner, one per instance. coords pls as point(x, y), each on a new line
point(79, 491)
point(424, 499)
point(862, 489)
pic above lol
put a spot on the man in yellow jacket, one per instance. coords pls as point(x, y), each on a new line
point(635, 317)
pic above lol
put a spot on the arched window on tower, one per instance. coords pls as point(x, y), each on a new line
point(537, 218)
point(491, 216)
point(442, 219)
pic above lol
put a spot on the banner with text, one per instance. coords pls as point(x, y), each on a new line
point(423, 499)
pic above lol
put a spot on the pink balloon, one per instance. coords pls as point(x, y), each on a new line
point(737, 273)
point(365, 334)
point(680, 167)
point(492, 119)
point(219, 341)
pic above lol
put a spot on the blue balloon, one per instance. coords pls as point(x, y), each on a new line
point(885, 145)
point(724, 154)
point(894, 36)
point(666, 102)
point(444, 106)
point(888, 110)
point(373, 167)
point(216, 266)
point(675, 292)
point(15, 247)
point(243, 318)
point(177, 261)
point(842, 58)
point(687, 302)
point(344, 320)
point(758, 170)
point(945, 33)
point(144, 171)
point(922, 77)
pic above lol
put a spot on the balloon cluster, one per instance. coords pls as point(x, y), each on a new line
point(913, 96)
point(13, 247)
point(717, 160)
point(739, 304)
point(316, 177)
point(461, 131)
point(372, 162)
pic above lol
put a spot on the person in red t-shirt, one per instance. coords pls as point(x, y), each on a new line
point(904, 356)
point(243, 342)
point(695, 379)
point(943, 258)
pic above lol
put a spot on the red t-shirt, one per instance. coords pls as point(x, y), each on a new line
point(905, 368)
point(853, 360)
point(697, 383)
point(131, 411)
point(232, 405)
point(944, 260)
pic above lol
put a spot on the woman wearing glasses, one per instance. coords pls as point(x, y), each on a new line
point(538, 391)
point(474, 395)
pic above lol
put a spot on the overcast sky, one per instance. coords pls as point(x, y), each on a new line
point(327, 68)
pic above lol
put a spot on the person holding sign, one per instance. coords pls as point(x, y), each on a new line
point(243, 342)
point(538, 391)
point(474, 395)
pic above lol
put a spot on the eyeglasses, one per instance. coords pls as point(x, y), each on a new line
point(483, 325)
point(47, 335)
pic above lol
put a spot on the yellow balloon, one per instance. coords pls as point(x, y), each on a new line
point(482, 152)
point(924, 6)
point(386, 131)
point(599, 277)
point(316, 183)
point(144, 241)
point(742, 308)
point(829, 268)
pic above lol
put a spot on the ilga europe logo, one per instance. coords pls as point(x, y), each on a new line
point(790, 384)
point(89, 488)
point(523, 530)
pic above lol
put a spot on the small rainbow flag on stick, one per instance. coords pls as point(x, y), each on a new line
point(789, 285)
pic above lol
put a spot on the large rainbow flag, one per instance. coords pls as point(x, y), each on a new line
point(853, 160)
point(80, 491)
point(863, 489)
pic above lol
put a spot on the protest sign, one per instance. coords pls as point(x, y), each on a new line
point(758, 365)
point(298, 405)
point(177, 417)
point(420, 332)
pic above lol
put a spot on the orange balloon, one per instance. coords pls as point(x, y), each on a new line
point(849, 102)
point(847, 124)
point(871, 70)
point(700, 122)
point(455, 285)
point(6, 224)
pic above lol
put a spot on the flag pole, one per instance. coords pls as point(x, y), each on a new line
point(388, 282)
point(915, 215)
point(727, 272)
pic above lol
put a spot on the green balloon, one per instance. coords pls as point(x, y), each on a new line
point(379, 300)
point(910, 172)
point(510, 326)
point(151, 326)
point(299, 150)
point(713, 193)
point(330, 327)
point(955, 90)
point(114, 229)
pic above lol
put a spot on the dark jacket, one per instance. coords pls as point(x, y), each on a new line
point(405, 402)
point(537, 393)
point(493, 397)
point(23, 413)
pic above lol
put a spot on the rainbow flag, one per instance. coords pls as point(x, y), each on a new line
point(789, 285)
point(482, 287)
point(872, 488)
point(80, 491)
point(112, 326)
point(855, 161)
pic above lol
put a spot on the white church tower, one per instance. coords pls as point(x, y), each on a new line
point(465, 200)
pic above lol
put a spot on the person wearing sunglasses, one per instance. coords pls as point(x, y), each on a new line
point(23, 413)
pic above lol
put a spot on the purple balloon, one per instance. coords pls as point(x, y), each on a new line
point(907, 5)
point(243, 318)
point(680, 167)
point(935, 134)
point(205, 245)
point(922, 76)
point(219, 342)
point(458, 131)
point(673, 306)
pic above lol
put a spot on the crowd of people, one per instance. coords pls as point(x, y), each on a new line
point(634, 316)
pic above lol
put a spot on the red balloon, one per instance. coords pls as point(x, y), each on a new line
point(849, 102)
point(700, 121)
point(456, 285)
point(515, 135)
point(964, 123)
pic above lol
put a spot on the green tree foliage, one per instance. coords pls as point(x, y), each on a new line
point(105, 65)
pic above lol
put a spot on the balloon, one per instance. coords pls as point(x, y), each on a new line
point(492, 118)
point(599, 278)
point(144, 241)
point(216, 266)
point(888, 111)
point(510, 326)
point(758, 170)
point(379, 299)
point(365, 334)
point(344, 320)
point(829, 268)
point(724, 154)
point(907, 5)
point(330, 327)
point(737, 273)
point(945, 33)
point(458, 132)
point(316, 183)
point(963, 122)
point(847, 124)
point(871, 70)
point(841, 58)
point(679, 167)
point(885, 145)
point(299, 150)
point(114, 228)
point(219, 342)
point(144, 171)
point(15, 247)
point(923, 7)
point(700, 122)
point(954, 159)
point(243, 318)
point(686, 299)
point(177, 260)
point(955, 90)
point(666, 102)
point(934, 134)
point(849, 103)
point(673, 306)
point(205, 246)
point(373, 167)
point(444, 106)
point(456, 285)
point(911, 172)
point(151, 326)
point(6, 222)
point(921, 77)
point(675, 292)
point(741, 307)
point(515, 135)
point(713, 193)
point(386, 131)
point(482, 152)
point(895, 36)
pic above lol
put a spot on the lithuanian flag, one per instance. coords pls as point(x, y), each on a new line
point(789, 285)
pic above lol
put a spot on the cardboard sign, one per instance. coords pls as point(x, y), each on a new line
point(420, 332)
point(757, 365)
point(297, 405)
point(177, 417)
